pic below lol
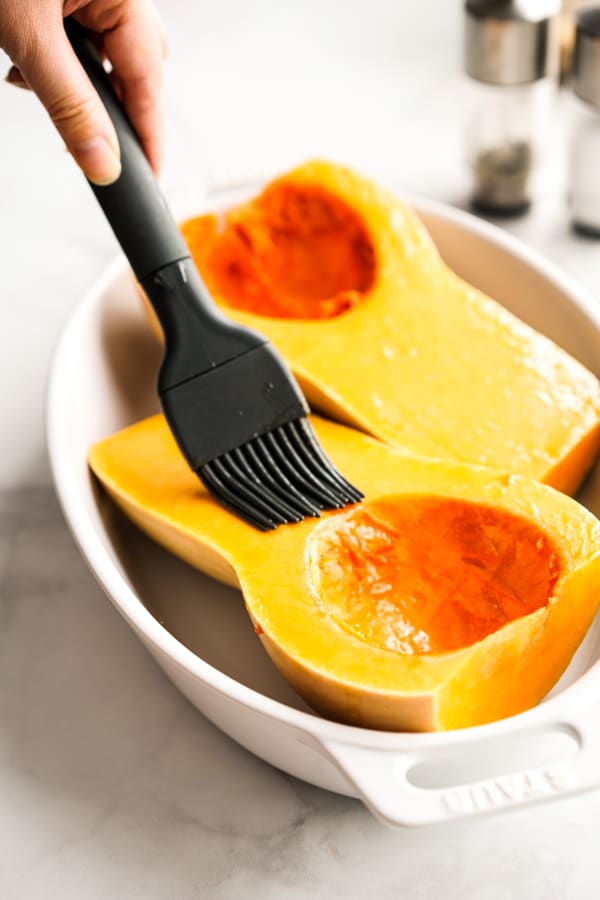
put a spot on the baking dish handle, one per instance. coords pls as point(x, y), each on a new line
point(385, 779)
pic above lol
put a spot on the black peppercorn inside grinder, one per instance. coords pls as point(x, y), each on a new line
point(511, 62)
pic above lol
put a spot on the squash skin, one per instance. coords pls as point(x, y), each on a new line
point(339, 675)
point(427, 363)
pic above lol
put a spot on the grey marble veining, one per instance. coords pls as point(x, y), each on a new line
point(111, 785)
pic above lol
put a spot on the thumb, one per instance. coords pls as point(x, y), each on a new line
point(54, 73)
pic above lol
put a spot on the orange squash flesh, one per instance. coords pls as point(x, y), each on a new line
point(429, 575)
point(293, 254)
point(345, 281)
point(504, 572)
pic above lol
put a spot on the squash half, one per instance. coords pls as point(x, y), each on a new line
point(452, 596)
point(383, 336)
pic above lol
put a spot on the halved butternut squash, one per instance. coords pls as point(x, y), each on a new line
point(346, 282)
point(452, 596)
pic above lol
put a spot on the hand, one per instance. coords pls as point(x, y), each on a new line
point(129, 34)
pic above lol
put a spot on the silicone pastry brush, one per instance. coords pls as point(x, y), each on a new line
point(234, 408)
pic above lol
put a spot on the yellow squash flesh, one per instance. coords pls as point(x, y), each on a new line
point(424, 361)
point(340, 675)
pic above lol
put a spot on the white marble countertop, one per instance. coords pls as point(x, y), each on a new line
point(111, 784)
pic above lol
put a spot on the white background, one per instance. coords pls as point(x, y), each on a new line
point(111, 785)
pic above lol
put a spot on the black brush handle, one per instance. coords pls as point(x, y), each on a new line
point(134, 204)
point(197, 335)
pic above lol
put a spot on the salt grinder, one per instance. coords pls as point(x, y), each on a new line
point(584, 164)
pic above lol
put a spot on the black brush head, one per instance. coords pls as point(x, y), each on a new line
point(278, 478)
point(243, 429)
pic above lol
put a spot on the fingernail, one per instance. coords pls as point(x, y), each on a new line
point(99, 161)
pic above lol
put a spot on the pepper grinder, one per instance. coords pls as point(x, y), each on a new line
point(511, 63)
point(584, 180)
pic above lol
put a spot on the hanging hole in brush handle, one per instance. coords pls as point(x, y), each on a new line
point(134, 204)
point(546, 760)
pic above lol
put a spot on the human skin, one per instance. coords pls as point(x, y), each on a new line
point(130, 36)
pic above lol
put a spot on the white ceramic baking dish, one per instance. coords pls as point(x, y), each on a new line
point(103, 378)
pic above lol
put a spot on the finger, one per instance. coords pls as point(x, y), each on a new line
point(135, 49)
point(136, 52)
point(116, 86)
point(52, 70)
point(15, 78)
